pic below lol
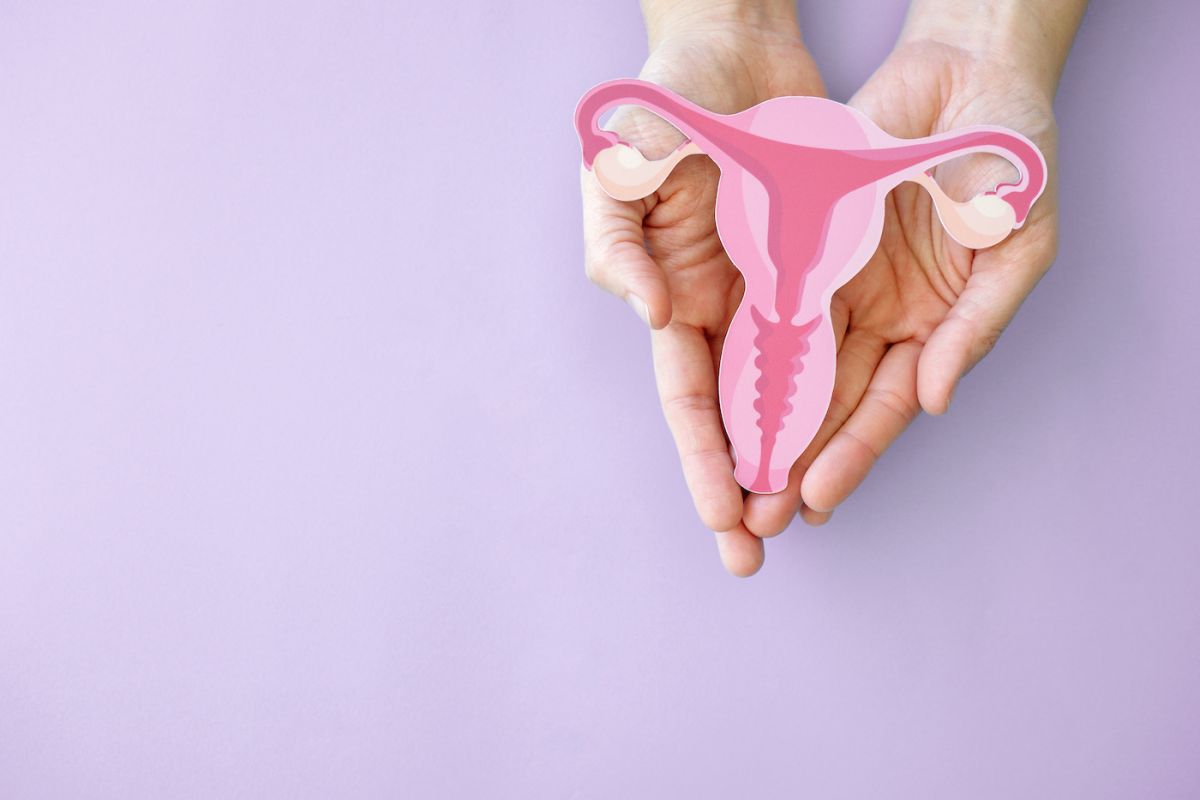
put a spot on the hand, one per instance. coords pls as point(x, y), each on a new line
point(662, 254)
point(924, 310)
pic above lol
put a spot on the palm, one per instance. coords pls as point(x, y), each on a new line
point(679, 224)
point(919, 272)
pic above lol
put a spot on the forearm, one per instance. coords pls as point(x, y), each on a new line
point(1031, 36)
point(666, 18)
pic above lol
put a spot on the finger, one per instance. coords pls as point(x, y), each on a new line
point(615, 256)
point(767, 515)
point(741, 551)
point(814, 518)
point(886, 409)
point(969, 331)
point(687, 385)
point(770, 514)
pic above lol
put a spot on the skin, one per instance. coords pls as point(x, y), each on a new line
point(921, 313)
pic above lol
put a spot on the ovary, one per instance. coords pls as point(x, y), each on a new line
point(625, 174)
point(983, 221)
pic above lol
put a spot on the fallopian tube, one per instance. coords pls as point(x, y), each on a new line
point(800, 211)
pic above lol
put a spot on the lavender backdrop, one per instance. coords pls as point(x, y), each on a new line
point(324, 472)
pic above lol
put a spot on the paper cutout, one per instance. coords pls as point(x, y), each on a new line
point(800, 211)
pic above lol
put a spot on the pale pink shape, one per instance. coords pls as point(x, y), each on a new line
point(800, 211)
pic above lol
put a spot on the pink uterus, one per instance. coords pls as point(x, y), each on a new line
point(800, 211)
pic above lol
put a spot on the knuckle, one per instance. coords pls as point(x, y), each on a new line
point(690, 404)
point(715, 515)
point(873, 453)
point(988, 337)
point(696, 424)
point(839, 409)
point(899, 405)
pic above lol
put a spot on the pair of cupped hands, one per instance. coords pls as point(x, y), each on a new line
point(920, 314)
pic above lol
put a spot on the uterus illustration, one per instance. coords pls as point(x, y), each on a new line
point(799, 210)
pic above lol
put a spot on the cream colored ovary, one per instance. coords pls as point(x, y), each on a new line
point(625, 174)
point(981, 222)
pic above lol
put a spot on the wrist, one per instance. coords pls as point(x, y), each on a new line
point(1029, 39)
point(725, 56)
point(765, 21)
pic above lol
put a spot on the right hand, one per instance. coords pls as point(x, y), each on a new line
point(662, 255)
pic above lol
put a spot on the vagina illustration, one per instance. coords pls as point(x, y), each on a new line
point(800, 210)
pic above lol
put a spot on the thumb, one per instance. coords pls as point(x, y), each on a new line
point(971, 328)
point(968, 333)
point(1001, 278)
point(615, 256)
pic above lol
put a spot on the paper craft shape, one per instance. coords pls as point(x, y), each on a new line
point(800, 211)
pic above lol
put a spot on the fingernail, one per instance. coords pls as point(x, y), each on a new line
point(639, 307)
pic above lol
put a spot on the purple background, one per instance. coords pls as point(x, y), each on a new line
point(325, 473)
